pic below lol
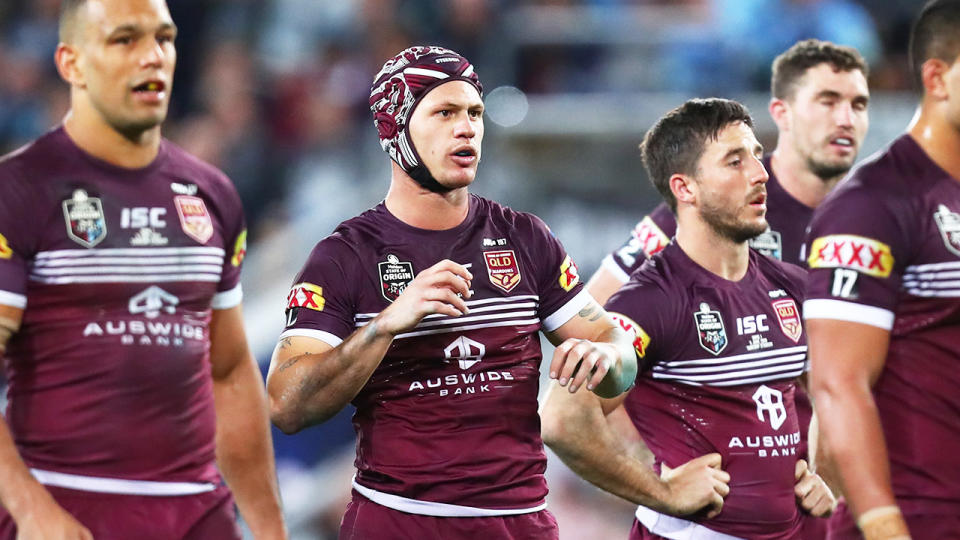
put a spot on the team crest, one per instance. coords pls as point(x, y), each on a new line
point(502, 268)
point(949, 224)
point(194, 217)
point(789, 317)
point(86, 224)
point(394, 277)
point(769, 243)
point(710, 330)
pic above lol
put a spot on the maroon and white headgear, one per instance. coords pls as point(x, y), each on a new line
point(399, 87)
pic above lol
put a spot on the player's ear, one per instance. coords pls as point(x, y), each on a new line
point(932, 74)
point(684, 188)
point(778, 111)
point(67, 60)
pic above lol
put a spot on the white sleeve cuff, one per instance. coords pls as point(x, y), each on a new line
point(228, 299)
point(821, 308)
point(566, 311)
point(320, 335)
point(614, 268)
point(13, 299)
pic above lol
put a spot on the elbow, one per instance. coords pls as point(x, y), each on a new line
point(552, 422)
point(284, 416)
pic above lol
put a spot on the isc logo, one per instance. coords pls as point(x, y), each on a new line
point(752, 324)
point(141, 216)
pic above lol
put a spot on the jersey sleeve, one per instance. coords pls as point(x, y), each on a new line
point(229, 292)
point(559, 287)
point(856, 250)
point(18, 244)
point(650, 235)
point(644, 311)
point(320, 303)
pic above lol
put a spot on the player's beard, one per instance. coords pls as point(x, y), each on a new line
point(726, 225)
point(827, 171)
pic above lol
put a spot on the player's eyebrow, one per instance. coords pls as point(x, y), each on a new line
point(134, 28)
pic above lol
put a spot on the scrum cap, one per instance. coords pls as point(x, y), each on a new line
point(399, 87)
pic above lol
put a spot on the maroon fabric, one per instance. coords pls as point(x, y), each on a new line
point(450, 414)
point(639, 532)
point(207, 516)
point(367, 520)
point(119, 268)
point(922, 527)
point(692, 399)
point(397, 89)
point(889, 237)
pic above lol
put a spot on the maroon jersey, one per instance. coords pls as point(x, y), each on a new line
point(718, 367)
point(787, 217)
point(117, 271)
point(447, 423)
point(885, 251)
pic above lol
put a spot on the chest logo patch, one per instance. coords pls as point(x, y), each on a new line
point(770, 401)
point(86, 224)
point(949, 224)
point(789, 318)
point(394, 277)
point(465, 351)
point(770, 243)
point(502, 268)
point(710, 330)
point(194, 217)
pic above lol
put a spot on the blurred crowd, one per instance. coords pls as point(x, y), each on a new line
point(274, 93)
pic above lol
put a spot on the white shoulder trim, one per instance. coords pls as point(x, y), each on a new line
point(429, 508)
point(13, 299)
point(325, 337)
point(611, 265)
point(822, 308)
point(567, 311)
point(675, 528)
point(228, 299)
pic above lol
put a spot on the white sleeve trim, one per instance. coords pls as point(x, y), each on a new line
point(228, 299)
point(822, 308)
point(611, 265)
point(13, 299)
point(325, 337)
point(566, 311)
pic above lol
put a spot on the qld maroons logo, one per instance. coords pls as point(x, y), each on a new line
point(502, 268)
point(789, 318)
point(710, 330)
point(194, 218)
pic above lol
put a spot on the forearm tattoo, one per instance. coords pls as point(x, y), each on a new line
point(592, 311)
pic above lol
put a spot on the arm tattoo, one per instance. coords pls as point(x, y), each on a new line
point(290, 363)
point(592, 312)
point(284, 343)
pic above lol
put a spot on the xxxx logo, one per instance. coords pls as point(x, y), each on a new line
point(864, 255)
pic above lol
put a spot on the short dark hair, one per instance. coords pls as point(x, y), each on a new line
point(677, 141)
point(935, 34)
point(68, 14)
point(793, 63)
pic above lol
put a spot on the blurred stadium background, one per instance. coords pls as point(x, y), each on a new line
point(274, 92)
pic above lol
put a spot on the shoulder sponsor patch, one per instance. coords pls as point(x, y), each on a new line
point(239, 249)
point(86, 224)
point(641, 340)
point(949, 224)
point(194, 218)
point(395, 275)
point(650, 237)
point(305, 295)
point(5, 250)
point(569, 274)
point(865, 255)
point(502, 268)
point(789, 318)
point(710, 329)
